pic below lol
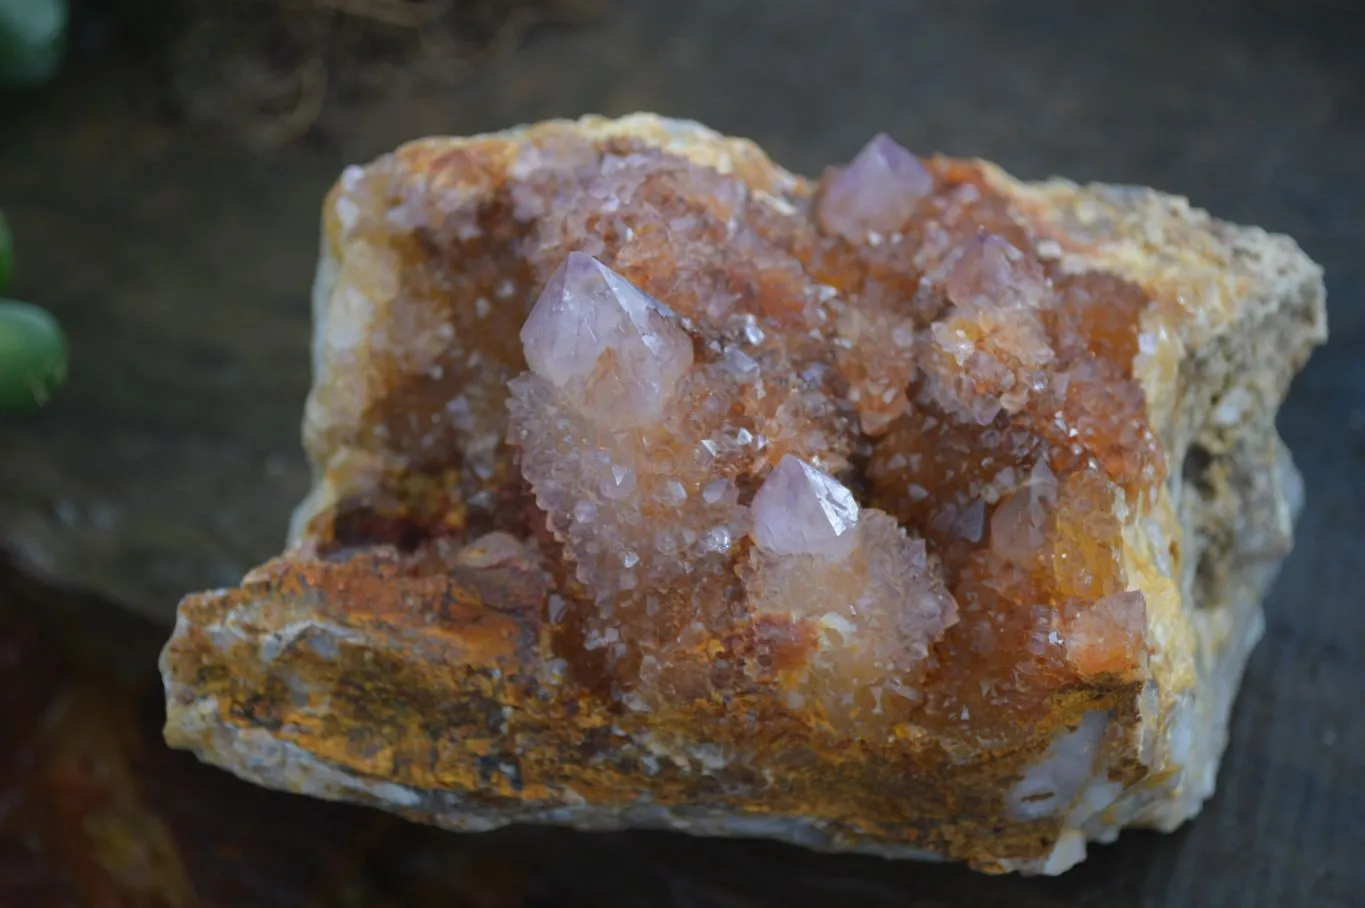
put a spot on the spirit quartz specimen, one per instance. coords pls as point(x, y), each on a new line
point(916, 510)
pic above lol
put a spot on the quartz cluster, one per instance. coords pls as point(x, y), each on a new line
point(689, 450)
point(620, 441)
point(897, 511)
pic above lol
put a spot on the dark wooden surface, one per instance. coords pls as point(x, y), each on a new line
point(180, 266)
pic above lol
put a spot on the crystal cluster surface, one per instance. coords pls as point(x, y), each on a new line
point(659, 486)
point(686, 424)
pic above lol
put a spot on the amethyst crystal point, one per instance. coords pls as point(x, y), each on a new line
point(988, 271)
point(875, 193)
point(587, 310)
point(584, 309)
point(800, 510)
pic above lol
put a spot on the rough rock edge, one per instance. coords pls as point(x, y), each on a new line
point(1229, 291)
point(261, 759)
point(1247, 306)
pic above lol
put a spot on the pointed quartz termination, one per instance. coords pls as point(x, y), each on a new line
point(876, 193)
point(1018, 526)
point(611, 423)
point(988, 272)
point(597, 337)
point(990, 350)
point(873, 597)
point(800, 510)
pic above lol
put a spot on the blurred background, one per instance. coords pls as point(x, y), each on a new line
point(162, 164)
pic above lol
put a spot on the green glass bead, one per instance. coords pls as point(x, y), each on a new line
point(32, 356)
point(32, 41)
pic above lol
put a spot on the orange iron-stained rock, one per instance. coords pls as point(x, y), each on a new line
point(900, 512)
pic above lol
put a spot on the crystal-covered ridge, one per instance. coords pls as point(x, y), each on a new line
point(875, 611)
point(616, 432)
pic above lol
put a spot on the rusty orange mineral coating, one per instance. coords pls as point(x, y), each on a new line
point(446, 667)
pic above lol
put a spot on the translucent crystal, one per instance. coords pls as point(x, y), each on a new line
point(1019, 524)
point(586, 313)
point(1108, 636)
point(988, 271)
point(874, 614)
point(800, 510)
point(989, 351)
point(876, 193)
point(615, 428)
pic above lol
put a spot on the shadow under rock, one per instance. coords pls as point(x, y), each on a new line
point(625, 870)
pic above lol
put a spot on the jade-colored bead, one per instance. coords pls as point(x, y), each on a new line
point(32, 356)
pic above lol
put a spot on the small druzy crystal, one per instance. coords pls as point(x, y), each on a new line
point(800, 510)
point(876, 193)
point(587, 312)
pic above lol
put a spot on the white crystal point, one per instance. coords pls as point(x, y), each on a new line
point(587, 310)
point(875, 193)
point(800, 510)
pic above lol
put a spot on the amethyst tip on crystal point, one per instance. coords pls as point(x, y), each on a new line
point(586, 310)
point(988, 270)
point(800, 510)
point(876, 193)
point(583, 305)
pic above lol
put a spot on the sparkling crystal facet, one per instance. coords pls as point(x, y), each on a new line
point(800, 510)
point(587, 311)
point(987, 271)
point(876, 193)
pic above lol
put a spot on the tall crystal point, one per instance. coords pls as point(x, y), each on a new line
point(800, 510)
point(588, 311)
point(876, 193)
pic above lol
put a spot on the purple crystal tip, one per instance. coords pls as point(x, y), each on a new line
point(800, 510)
point(584, 309)
point(988, 270)
point(875, 193)
point(587, 309)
